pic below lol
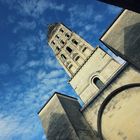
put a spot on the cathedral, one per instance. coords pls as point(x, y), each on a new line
point(108, 89)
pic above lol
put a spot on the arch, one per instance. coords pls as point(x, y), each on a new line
point(63, 57)
point(70, 66)
point(57, 48)
point(53, 43)
point(57, 36)
point(67, 35)
point(69, 49)
point(74, 55)
point(84, 49)
point(98, 82)
point(62, 42)
point(107, 100)
point(77, 58)
point(61, 30)
point(68, 62)
point(75, 42)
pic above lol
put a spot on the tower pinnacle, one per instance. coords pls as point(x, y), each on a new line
point(51, 29)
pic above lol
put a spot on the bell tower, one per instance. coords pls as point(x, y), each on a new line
point(70, 49)
point(90, 69)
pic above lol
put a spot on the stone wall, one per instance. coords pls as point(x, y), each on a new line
point(121, 116)
point(100, 65)
point(62, 120)
point(123, 37)
point(55, 121)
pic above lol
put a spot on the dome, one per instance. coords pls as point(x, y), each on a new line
point(51, 29)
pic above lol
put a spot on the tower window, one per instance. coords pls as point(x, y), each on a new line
point(57, 48)
point(62, 42)
point(57, 36)
point(84, 49)
point(70, 66)
point(63, 57)
point(67, 35)
point(77, 58)
point(61, 30)
point(53, 42)
point(98, 82)
point(74, 41)
point(69, 49)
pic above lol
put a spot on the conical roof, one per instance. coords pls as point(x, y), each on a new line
point(51, 29)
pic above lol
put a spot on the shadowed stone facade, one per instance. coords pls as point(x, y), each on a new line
point(95, 75)
point(123, 37)
point(122, 113)
point(62, 120)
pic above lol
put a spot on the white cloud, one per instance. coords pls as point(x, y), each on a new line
point(55, 78)
point(36, 8)
point(52, 63)
point(41, 74)
point(88, 27)
point(113, 9)
point(54, 6)
point(91, 27)
point(33, 8)
point(42, 36)
point(33, 63)
point(55, 73)
point(27, 43)
point(98, 18)
point(8, 124)
point(11, 19)
point(21, 50)
point(80, 14)
point(86, 19)
point(4, 68)
point(13, 127)
point(21, 58)
point(26, 25)
point(44, 137)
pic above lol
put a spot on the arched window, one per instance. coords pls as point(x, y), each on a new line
point(67, 35)
point(61, 30)
point(74, 41)
point(57, 48)
point(77, 58)
point(84, 49)
point(53, 42)
point(57, 36)
point(62, 42)
point(70, 66)
point(69, 49)
point(63, 57)
point(98, 82)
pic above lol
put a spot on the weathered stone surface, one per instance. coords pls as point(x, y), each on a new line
point(62, 120)
point(69, 48)
point(123, 37)
point(100, 65)
point(121, 116)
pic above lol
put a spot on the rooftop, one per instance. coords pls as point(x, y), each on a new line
point(51, 29)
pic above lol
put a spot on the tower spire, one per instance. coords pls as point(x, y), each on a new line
point(51, 29)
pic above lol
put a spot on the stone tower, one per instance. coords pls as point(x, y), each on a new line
point(70, 49)
point(89, 68)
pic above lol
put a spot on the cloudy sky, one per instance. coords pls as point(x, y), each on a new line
point(29, 72)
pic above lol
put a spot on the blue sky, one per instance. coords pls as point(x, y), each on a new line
point(29, 72)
